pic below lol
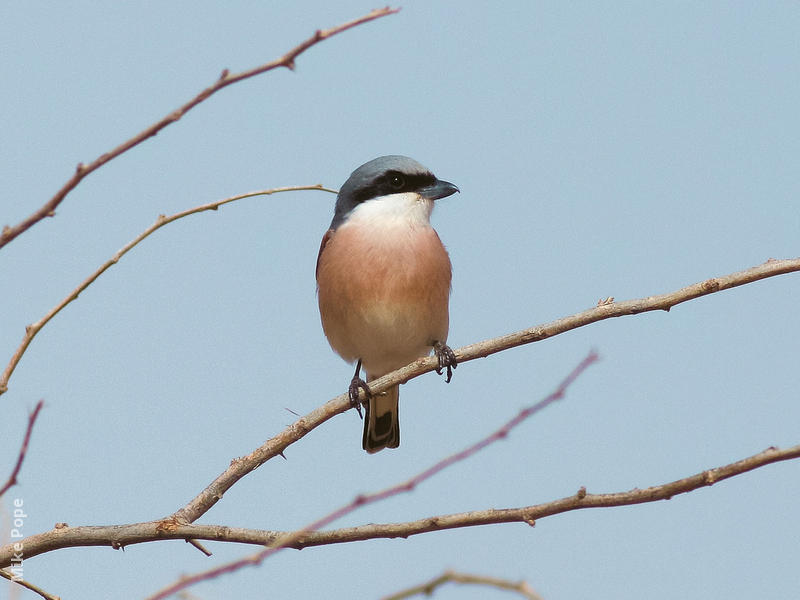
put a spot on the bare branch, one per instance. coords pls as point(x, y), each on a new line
point(178, 526)
point(34, 328)
point(364, 499)
point(427, 588)
point(119, 536)
point(277, 444)
point(226, 79)
point(608, 309)
point(28, 586)
point(12, 479)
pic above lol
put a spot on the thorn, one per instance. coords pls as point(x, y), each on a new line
point(199, 546)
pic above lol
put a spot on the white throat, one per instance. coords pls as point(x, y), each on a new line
point(408, 209)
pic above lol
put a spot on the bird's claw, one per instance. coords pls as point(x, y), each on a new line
point(447, 359)
point(356, 385)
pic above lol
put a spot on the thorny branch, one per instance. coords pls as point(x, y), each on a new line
point(178, 526)
point(364, 499)
point(277, 444)
point(119, 536)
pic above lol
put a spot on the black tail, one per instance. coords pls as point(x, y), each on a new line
point(382, 423)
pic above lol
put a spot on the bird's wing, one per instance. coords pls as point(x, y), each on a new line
point(325, 239)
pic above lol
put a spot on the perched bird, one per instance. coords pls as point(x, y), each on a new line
point(383, 282)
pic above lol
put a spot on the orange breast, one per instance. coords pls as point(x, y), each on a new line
point(383, 295)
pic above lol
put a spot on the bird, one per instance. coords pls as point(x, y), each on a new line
point(383, 283)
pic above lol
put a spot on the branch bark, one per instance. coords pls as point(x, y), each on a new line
point(364, 499)
point(225, 79)
point(119, 536)
point(180, 522)
point(607, 310)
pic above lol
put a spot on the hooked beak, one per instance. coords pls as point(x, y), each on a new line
point(440, 189)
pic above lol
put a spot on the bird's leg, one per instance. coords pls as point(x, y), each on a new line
point(357, 384)
point(447, 359)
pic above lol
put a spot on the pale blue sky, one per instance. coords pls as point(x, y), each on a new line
point(602, 149)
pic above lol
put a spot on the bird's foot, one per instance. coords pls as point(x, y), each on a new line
point(357, 384)
point(447, 359)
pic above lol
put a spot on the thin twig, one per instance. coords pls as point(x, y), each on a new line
point(34, 328)
point(364, 499)
point(225, 79)
point(12, 479)
point(119, 536)
point(28, 585)
point(427, 588)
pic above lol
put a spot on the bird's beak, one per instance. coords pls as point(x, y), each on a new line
point(440, 189)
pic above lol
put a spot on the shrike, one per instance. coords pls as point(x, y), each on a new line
point(383, 280)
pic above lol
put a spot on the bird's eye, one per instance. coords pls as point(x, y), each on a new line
point(397, 181)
